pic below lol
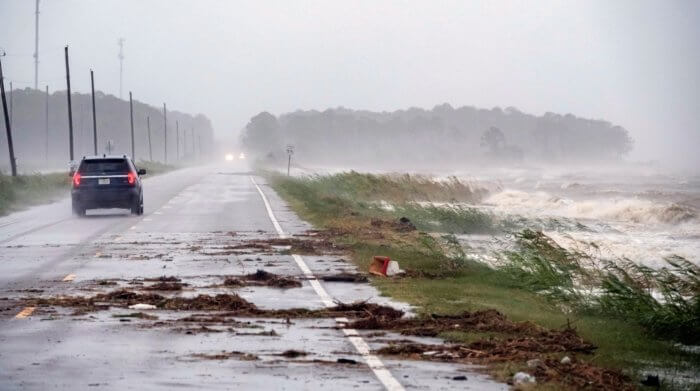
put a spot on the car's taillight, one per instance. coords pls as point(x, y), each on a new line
point(131, 177)
point(76, 179)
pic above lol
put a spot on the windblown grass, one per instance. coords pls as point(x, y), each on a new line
point(665, 302)
point(23, 191)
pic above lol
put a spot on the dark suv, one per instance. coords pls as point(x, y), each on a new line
point(107, 182)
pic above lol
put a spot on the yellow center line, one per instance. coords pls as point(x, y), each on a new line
point(69, 278)
point(27, 311)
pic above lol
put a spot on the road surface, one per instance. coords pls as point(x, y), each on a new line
point(193, 217)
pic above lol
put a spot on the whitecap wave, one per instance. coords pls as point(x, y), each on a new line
point(638, 211)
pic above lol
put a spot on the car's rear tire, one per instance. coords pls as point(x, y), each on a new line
point(78, 209)
point(137, 208)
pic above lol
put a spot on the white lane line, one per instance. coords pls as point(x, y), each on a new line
point(147, 219)
point(157, 213)
point(374, 363)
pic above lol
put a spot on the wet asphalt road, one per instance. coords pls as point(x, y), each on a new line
point(191, 215)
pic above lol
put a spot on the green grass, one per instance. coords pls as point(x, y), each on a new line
point(445, 281)
point(19, 192)
point(23, 191)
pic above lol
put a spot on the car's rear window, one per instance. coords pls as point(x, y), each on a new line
point(104, 166)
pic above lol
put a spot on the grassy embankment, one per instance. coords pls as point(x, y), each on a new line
point(539, 282)
point(17, 193)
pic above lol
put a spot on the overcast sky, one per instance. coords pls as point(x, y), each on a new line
point(634, 63)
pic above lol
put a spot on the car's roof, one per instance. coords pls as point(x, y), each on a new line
point(97, 157)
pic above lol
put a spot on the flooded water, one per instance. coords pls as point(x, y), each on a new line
point(641, 215)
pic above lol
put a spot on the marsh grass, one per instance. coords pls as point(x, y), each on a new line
point(23, 191)
point(665, 302)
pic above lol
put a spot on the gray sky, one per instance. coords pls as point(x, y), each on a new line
point(635, 63)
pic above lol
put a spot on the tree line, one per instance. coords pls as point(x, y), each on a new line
point(434, 137)
point(38, 148)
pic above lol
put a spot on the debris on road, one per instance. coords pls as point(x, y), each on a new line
point(292, 353)
point(165, 286)
point(224, 355)
point(232, 304)
point(263, 278)
point(345, 277)
point(139, 315)
point(163, 279)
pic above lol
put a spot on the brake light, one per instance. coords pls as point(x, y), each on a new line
point(76, 179)
point(131, 177)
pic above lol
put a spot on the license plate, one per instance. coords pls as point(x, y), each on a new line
point(103, 181)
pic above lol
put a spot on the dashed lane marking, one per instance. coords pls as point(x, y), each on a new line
point(374, 363)
point(147, 219)
point(157, 213)
point(27, 311)
point(69, 278)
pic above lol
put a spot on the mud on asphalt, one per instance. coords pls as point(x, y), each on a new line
point(187, 298)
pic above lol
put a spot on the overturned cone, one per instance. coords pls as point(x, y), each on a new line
point(384, 266)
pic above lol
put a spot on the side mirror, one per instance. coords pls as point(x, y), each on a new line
point(142, 171)
point(72, 167)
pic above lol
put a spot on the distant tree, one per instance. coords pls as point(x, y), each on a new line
point(262, 134)
point(494, 140)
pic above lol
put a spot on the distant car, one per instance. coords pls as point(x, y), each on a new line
point(107, 182)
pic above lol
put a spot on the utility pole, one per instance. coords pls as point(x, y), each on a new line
point(165, 132)
point(70, 111)
point(46, 146)
point(8, 129)
point(120, 42)
point(290, 152)
point(131, 116)
point(12, 99)
point(184, 140)
point(94, 117)
point(177, 134)
point(36, 47)
point(192, 133)
point(150, 150)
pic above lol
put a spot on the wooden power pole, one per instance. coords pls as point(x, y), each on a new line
point(131, 117)
point(70, 109)
point(94, 117)
point(10, 146)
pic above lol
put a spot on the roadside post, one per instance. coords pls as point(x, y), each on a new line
point(290, 152)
